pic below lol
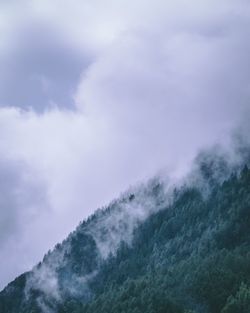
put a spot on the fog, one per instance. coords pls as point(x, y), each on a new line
point(99, 95)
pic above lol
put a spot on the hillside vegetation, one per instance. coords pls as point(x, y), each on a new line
point(151, 251)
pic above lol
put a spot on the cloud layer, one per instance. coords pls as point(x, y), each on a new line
point(98, 95)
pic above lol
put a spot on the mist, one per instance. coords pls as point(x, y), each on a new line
point(117, 93)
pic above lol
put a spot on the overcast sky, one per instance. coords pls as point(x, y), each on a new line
point(97, 95)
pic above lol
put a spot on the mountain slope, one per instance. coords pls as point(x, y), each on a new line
point(155, 249)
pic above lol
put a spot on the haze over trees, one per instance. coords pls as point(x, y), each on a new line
point(156, 249)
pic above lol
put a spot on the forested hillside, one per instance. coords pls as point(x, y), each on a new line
point(154, 250)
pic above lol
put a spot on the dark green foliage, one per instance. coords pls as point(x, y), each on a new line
point(141, 295)
point(240, 303)
point(14, 289)
point(191, 256)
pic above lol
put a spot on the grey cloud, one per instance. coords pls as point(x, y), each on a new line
point(23, 196)
point(40, 70)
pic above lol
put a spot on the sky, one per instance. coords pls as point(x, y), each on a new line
point(98, 95)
